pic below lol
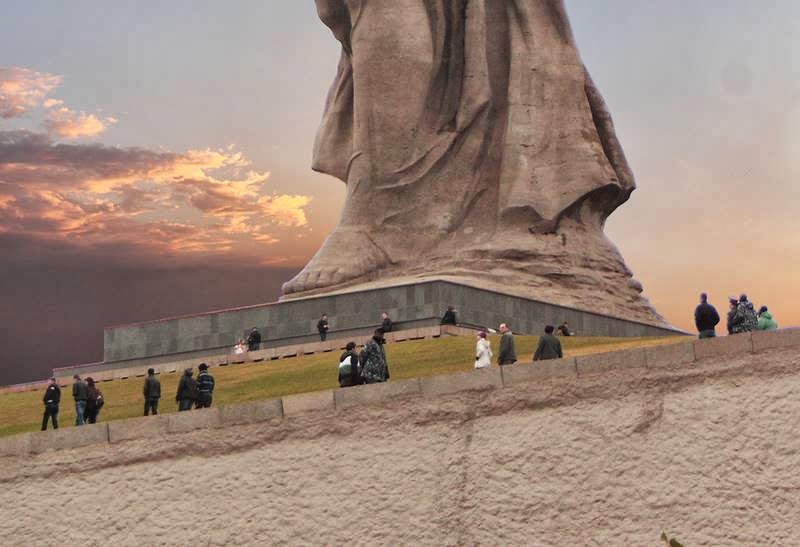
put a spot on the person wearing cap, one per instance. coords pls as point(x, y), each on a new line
point(748, 314)
point(549, 346)
point(507, 354)
point(765, 320)
point(706, 318)
point(79, 395)
point(735, 319)
point(483, 351)
point(205, 387)
point(51, 400)
point(151, 392)
point(374, 368)
point(253, 340)
point(187, 391)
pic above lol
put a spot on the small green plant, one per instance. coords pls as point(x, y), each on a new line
point(670, 542)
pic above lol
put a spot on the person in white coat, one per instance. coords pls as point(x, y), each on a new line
point(483, 351)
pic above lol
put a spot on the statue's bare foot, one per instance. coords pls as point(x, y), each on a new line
point(346, 254)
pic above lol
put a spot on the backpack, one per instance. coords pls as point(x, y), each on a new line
point(346, 367)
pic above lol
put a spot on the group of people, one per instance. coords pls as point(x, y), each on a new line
point(742, 317)
point(549, 347)
point(87, 397)
point(367, 366)
point(195, 392)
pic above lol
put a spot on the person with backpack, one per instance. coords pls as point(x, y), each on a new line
point(187, 391)
point(151, 392)
point(706, 318)
point(374, 368)
point(205, 387)
point(51, 400)
point(348, 367)
point(94, 401)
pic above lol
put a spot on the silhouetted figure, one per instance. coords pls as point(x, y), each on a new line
point(386, 323)
point(205, 387)
point(151, 392)
point(449, 317)
point(322, 327)
point(254, 340)
point(187, 391)
point(706, 318)
point(549, 346)
point(51, 400)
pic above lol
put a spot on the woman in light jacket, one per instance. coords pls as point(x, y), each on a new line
point(483, 352)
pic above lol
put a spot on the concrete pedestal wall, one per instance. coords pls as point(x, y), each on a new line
point(351, 314)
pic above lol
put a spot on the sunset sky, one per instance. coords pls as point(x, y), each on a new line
point(154, 158)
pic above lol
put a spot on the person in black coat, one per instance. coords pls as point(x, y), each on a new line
point(51, 400)
point(187, 391)
point(94, 402)
point(386, 323)
point(706, 318)
point(449, 317)
point(322, 327)
point(549, 346)
point(151, 392)
point(254, 340)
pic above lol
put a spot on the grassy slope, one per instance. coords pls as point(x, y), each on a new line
point(20, 412)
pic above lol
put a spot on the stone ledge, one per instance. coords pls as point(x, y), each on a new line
point(770, 339)
point(247, 413)
point(488, 378)
point(203, 418)
point(669, 355)
point(138, 428)
point(615, 360)
point(68, 437)
point(376, 393)
point(521, 373)
point(735, 344)
point(315, 401)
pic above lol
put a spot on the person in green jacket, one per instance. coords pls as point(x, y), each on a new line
point(765, 320)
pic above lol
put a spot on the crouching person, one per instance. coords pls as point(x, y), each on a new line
point(187, 391)
point(205, 387)
point(348, 367)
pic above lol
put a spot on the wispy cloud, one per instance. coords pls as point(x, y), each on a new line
point(66, 123)
point(22, 90)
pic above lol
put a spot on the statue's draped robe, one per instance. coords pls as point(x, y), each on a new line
point(446, 112)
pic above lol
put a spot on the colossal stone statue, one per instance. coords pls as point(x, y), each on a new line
point(475, 147)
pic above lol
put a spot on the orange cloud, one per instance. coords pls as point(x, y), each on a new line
point(22, 89)
point(66, 123)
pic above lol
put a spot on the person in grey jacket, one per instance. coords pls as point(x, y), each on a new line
point(151, 392)
point(80, 392)
point(507, 355)
point(549, 346)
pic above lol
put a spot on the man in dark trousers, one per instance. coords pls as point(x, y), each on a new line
point(449, 317)
point(51, 400)
point(152, 392)
point(80, 392)
point(549, 346)
point(187, 391)
point(706, 318)
point(507, 354)
point(254, 340)
point(205, 387)
point(322, 327)
point(386, 323)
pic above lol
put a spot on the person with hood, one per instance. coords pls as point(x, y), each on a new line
point(51, 400)
point(94, 401)
point(348, 367)
point(706, 318)
point(549, 346)
point(374, 368)
point(253, 340)
point(765, 320)
point(79, 395)
point(748, 313)
point(483, 351)
point(735, 319)
point(322, 327)
point(205, 387)
point(187, 391)
point(507, 354)
point(151, 392)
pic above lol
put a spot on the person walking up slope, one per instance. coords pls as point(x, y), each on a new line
point(151, 392)
point(205, 387)
point(706, 318)
point(51, 400)
point(187, 391)
point(507, 354)
point(483, 351)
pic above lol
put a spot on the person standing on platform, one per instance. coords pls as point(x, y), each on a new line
point(706, 318)
point(374, 368)
point(205, 387)
point(187, 391)
point(94, 401)
point(507, 354)
point(254, 340)
point(151, 392)
point(322, 327)
point(549, 346)
point(449, 317)
point(386, 323)
point(483, 352)
point(51, 400)
point(79, 395)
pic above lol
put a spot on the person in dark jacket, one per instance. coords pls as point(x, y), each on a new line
point(322, 327)
point(94, 401)
point(386, 323)
point(563, 329)
point(205, 387)
point(748, 314)
point(51, 400)
point(507, 355)
point(349, 373)
point(735, 320)
point(187, 391)
point(374, 368)
point(706, 318)
point(549, 346)
point(449, 317)
point(79, 395)
point(151, 392)
point(254, 340)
